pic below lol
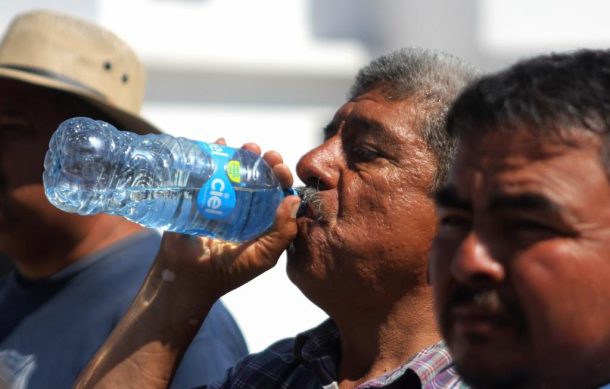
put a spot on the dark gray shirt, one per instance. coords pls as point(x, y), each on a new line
point(50, 329)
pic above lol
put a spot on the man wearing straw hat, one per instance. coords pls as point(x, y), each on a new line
point(74, 275)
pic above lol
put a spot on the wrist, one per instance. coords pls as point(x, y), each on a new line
point(174, 293)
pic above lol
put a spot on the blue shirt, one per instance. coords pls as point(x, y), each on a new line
point(49, 329)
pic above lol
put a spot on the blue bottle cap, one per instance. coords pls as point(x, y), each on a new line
point(290, 192)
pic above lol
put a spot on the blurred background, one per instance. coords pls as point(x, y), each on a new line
point(274, 72)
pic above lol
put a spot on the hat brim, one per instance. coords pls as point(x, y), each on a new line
point(123, 120)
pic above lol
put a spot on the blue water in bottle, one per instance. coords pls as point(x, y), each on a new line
point(160, 181)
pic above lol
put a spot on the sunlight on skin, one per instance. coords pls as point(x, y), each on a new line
point(168, 275)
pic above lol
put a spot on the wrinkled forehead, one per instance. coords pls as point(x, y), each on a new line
point(374, 112)
point(522, 158)
point(502, 146)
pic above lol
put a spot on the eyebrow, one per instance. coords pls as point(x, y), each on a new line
point(371, 125)
point(524, 202)
point(365, 125)
point(448, 197)
point(12, 119)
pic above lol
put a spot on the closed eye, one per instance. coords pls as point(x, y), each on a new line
point(364, 154)
point(16, 129)
point(531, 225)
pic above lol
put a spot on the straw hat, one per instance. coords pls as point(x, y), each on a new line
point(63, 53)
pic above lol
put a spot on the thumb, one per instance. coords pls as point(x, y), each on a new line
point(284, 228)
point(285, 217)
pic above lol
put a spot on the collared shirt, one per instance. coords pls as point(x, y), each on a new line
point(311, 361)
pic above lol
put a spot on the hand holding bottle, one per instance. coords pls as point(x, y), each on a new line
point(189, 274)
point(224, 266)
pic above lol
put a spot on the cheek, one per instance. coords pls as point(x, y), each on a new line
point(23, 165)
point(441, 254)
point(364, 210)
point(360, 199)
point(27, 210)
point(562, 287)
point(387, 200)
point(30, 199)
point(310, 248)
point(386, 210)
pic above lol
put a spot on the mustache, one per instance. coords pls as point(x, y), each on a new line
point(488, 300)
point(310, 198)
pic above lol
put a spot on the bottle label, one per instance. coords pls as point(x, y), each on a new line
point(216, 198)
point(234, 171)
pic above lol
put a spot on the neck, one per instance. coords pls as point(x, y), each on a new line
point(376, 342)
point(68, 245)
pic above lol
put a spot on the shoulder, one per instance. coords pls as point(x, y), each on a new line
point(4, 280)
point(218, 345)
point(123, 265)
point(265, 368)
point(288, 362)
point(220, 326)
point(275, 357)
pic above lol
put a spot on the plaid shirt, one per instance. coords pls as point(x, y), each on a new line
point(310, 361)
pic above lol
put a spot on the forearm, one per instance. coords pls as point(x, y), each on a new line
point(187, 277)
point(145, 348)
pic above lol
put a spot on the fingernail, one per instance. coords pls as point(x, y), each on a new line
point(295, 209)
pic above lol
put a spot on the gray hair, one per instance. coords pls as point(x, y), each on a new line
point(434, 78)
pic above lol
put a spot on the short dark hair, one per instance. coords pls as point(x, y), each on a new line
point(548, 93)
point(434, 78)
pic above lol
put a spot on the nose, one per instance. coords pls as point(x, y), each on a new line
point(474, 264)
point(320, 167)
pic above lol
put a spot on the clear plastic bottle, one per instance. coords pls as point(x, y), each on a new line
point(160, 181)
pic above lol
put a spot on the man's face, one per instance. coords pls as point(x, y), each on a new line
point(28, 117)
point(367, 232)
point(520, 266)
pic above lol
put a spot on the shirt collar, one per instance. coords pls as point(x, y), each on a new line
point(318, 350)
point(431, 364)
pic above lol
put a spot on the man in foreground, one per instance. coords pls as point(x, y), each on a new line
point(520, 265)
point(74, 276)
point(359, 251)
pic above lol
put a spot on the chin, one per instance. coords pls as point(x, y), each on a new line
point(481, 376)
point(298, 257)
point(486, 365)
point(310, 238)
point(304, 266)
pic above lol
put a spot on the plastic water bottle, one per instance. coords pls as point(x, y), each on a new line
point(160, 181)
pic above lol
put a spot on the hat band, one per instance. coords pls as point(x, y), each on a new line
point(54, 76)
